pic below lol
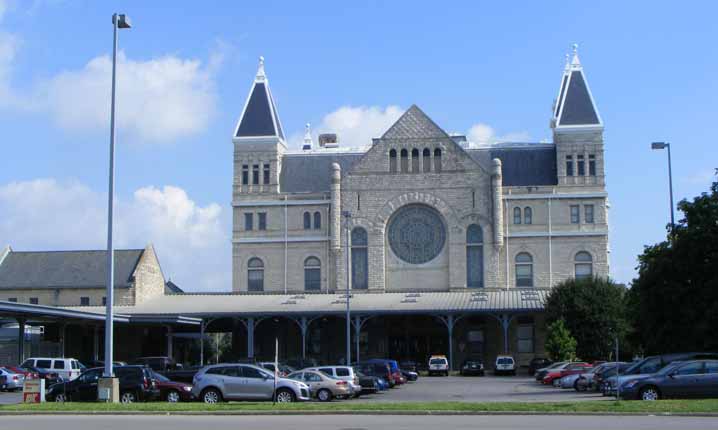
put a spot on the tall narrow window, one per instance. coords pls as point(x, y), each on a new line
point(317, 220)
point(360, 259)
point(392, 161)
point(575, 214)
point(528, 215)
point(583, 265)
point(474, 257)
point(266, 174)
point(588, 214)
point(437, 160)
point(255, 174)
point(427, 159)
point(415, 161)
point(245, 174)
point(307, 221)
point(404, 161)
point(255, 275)
point(517, 215)
point(249, 221)
point(591, 165)
point(262, 220)
point(524, 270)
point(581, 165)
point(358, 202)
point(569, 165)
point(312, 274)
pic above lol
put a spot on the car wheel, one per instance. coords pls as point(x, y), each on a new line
point(285, 396)
point(324, 395)
point(128, 397)
point(650, 394)
point(173, 396)
point(211, 396)
point(60, 398)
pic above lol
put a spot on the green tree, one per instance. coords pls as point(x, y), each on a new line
point(674, 299)
point(594, 311)
point(560, 345)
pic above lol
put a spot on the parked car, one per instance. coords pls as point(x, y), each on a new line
point(554, 376)
point(393, 368)
point(540, 373)
point(10, 381)
point(409, 365)
point(438, 365)
point(369, 384)
point(538, 363)
point(345, 373)
point(409, 375)
point(172, 391)
point(284, 370)
point(136, 384)
point(692, 379)
point(67, 368)
point(472, 367)
point(592, 380)
point(379, 369)
point(505, 364)
point(49, 377)
point(649, 366)
point(322, 386)
point(220, 382)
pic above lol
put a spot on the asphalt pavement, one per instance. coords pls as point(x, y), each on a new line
point(357, 422)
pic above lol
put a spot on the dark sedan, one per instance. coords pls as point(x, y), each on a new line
point(172, 391)
point(369, 384)
point(538, 363)
point(472, 368)
point(690, 379)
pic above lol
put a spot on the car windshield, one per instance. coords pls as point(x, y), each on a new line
point(505, 360)
point(159, 377)
point(437, 361)
point(668, 369)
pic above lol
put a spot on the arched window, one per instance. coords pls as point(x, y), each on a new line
point(427, 159)
point(524, 270)
point(583, 265)
point(255, 274)
point(317, 220)
point(517, 215)
point(474, 257)
point(437, 160)
point(392, 161)
point(312, 274)
point(307, 220)
point(415, 160)
point(528, 215)
point(404, 161)
point(360, 259)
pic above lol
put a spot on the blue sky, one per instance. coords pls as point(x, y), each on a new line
point(186, 68)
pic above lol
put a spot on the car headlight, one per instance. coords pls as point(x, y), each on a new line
point(187, 388)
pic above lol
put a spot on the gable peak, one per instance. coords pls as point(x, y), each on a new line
point(414, 124)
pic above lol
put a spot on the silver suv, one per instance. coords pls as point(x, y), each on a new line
point(219, 382)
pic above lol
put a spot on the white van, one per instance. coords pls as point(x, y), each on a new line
point(67, 368)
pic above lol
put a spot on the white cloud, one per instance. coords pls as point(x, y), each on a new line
point(702, 177)
point(158, 100)
point(355, 125)
point(485, 134)
point(191, 240)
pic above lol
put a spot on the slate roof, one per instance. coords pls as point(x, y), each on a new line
point(66, 269)
point(260, 117)
point(311, 173)
point(524, 165)
point(172, 288)
point(575, 106)
point(512, 300)
point(414, 124)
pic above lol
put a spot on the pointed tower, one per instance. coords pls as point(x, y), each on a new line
point(577, 128)
point(258, 141)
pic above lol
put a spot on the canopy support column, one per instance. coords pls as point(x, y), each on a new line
point(450, 321)
point(21, 339)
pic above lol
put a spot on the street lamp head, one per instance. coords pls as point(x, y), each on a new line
point(122, 20)
point(659, 145)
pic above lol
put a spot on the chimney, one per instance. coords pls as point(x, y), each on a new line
point(328, 140)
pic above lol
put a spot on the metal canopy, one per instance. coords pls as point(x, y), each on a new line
point(12, 310)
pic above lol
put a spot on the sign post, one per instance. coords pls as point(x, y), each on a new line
point(33, 391)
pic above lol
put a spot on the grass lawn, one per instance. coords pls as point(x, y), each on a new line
point(663, 406)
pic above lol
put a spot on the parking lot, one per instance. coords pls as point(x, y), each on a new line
point(454, 388)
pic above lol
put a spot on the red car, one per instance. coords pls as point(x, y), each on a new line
point(172, 391)
point(555, 375)
point(28, 374)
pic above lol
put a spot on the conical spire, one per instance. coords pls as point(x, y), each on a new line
point(259, 117)
point(575, 106)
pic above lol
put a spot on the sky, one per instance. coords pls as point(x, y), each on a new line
point(487, 69)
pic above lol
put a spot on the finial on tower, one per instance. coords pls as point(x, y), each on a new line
point(260, 69)
point(575, 62)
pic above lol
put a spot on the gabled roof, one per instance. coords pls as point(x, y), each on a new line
point(259, 117)
point(66, 269)
point(414, 124)
point(575, 106)
point(311, 172)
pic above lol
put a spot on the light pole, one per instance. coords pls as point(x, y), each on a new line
point(119, 21)
point(666, 145)
point(347, 216)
